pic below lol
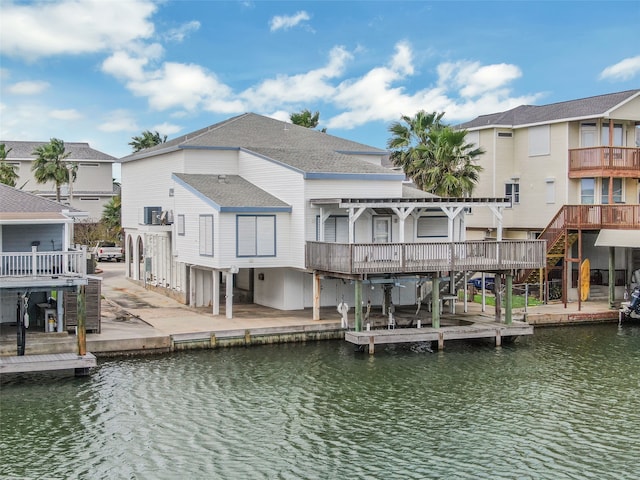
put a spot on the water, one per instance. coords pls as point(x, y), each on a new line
point(563, 404)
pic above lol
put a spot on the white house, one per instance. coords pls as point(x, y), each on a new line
point(92, 188)
point(283, 216)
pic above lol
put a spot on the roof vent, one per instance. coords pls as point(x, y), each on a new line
point(222, 179)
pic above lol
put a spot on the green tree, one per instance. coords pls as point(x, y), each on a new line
point(50, 165)
point(111, 216)
point(434, 155)
point(147, 139)
point(8, 172)
point(306, 119)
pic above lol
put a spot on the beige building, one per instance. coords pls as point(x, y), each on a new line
point(571, 170)
point(92, 188)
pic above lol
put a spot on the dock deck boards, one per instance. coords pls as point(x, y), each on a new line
point(430, 334)
point(43, 363)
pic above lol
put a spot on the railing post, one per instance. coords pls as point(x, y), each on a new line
point(34, 260)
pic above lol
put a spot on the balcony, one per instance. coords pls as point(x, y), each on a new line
point(604, 162)
point(39, 269)
point(361, 259)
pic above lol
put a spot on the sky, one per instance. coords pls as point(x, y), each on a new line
point(103, 71)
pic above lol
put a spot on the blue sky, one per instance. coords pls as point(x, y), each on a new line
point(102, 71)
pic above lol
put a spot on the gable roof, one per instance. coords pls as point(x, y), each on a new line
point(16, 204)
point(231, 193)
point(23, 150)
point(590, 107)
point(301, 148)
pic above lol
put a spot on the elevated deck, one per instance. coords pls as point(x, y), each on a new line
point(44, 363)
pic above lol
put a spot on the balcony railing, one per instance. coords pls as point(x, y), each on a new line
point(359, 258)
point(604, 161)
point(595, 217)
point(43, 264)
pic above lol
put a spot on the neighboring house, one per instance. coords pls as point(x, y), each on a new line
point(286, 217)
point(37, 260)
point(571, 170)
point(92, 188)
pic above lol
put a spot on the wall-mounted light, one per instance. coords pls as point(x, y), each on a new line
point(261, 276)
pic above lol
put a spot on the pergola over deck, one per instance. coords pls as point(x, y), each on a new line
point(404, 206)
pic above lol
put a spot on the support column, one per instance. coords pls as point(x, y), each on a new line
point(435, 301)
point(192, 286)
point(498, 296)
point(82, 315)
point(60, 310)
point(215, 301)
point(229, 295)
point(508, 303)
point(316, 296)
point(358, 304)
point(612, 276)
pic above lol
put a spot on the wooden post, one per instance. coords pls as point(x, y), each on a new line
point(508, 303)
point(498, 297)
point(358, 304)
point(82, 315)
point(612, 276)
point(372, 347)
point(435, 301)
point(316, 296)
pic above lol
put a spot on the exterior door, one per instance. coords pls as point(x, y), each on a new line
point(381, 229)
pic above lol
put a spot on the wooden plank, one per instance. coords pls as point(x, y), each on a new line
point(43, 363)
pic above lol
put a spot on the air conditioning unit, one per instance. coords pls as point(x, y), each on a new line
point(150, 213)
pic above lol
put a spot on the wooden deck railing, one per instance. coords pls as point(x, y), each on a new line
point(595, 217)
point(43, 264)
point(604, 161)
point(359, 258)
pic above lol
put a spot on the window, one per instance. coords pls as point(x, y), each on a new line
point(617, 190)
point(206, 235)
point(550, 190)
point(255, 235)
point(637, 135)
point(89, 199)
point(588, 134)
point(617, 134)
point(539, 141)
point(180, 225)
point(336, 229)
point(587, 191)
point(436, 226)
point(83, 164)
point(512, 192)
point(505, 134)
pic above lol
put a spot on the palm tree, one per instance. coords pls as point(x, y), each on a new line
point(8, 172)
point(148, 139)
point(111, 216)
point(434, 155)
point(49, 165)
point(306, 119)
point(410, 140)
point(449, 168)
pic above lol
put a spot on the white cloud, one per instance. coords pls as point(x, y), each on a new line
point(72, 26)
point(474, 79)
point(119, 121)
point(623, 70)
point(288, 21)
point(402, 60)
point(166, 128)
point(68, 114)
point(124, 66)
point(28, 87)
point(305, 87)
point(179, 34)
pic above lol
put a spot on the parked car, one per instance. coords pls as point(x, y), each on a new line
point(108, 251)
point(489, 283)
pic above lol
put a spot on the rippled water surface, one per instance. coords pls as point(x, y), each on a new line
point(563, 404)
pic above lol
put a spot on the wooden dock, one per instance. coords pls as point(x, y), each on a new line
point(43, 363)
point(430, 334)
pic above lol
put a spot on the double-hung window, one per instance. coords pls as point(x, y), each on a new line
point(617, 190)
point(256, 235)
point(512, 192)
point(206, 235)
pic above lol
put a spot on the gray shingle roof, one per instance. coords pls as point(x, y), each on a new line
point(531, 114)
point(23, 150)
point(303, 148)
point(231, 191)
point(13, 200)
